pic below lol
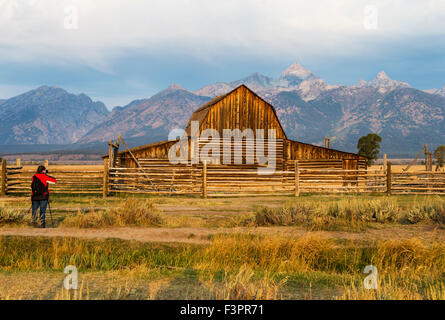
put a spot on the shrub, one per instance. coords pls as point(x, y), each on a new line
point(136, 213)
point(11, 216)
point(415, 215)
point(382, 210)
point(324, 215)
point(432, 210)
point(130, 213)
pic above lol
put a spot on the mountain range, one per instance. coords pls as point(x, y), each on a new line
point(148, 120)
point(308, 107)
point(48, 115)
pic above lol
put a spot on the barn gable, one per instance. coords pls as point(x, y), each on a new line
point(241, 109)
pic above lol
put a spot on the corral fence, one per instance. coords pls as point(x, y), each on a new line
point(294, 178)
point(420, 182)
point(16, 180)
point(159, 176)
point(154, 176)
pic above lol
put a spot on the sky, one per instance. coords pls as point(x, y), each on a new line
point(116, 51)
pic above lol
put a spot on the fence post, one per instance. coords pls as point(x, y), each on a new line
point(297, 179)
point(204, 179)
point(105, 185)
point(388, 179)
point(46, 164)
point(18, 163)
point(3, 178)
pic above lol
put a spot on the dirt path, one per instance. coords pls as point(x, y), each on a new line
point(202, 235)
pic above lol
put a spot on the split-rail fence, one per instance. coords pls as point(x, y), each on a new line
point(157, 176)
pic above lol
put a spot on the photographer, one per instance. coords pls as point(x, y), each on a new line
point(40, 193)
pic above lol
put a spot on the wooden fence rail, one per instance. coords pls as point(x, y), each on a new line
point(18, 181)
point(215, 180)
point(421, 182)
point(155, 178)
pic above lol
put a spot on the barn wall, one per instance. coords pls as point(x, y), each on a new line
point(292, 150)
point(297, 150)
point(159, 151)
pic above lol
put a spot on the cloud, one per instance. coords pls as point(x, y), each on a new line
point(124, 49)
point(35, 29)
point(7, 91)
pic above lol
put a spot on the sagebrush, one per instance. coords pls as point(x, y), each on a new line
point(129, 213)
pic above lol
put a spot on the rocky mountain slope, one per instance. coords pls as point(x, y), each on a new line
point(48, 115)
point(148, 120)
point(294, 78)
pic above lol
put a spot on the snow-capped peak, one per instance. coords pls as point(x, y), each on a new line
point(382, 76)
point(382, 80)
point(361, 83)
point(175, 86)
point(440, 91)
point(297, 70)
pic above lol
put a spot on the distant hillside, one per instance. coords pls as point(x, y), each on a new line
point(48, 115)
point(148, 120)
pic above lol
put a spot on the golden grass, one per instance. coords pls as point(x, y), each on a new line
point(312, 253)
point(246, 265)
point(242, 285)
point(348, 214)
point(429, 209)
point(241, 266)
point(145, 213)
point(12, 216)
point(66, 167)
point(401, 286)
point(129, 213)
point(78, 294)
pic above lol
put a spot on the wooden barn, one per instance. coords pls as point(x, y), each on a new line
point(230, 130)
point(242, 109)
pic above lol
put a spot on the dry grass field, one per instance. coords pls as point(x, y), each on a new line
point(311, 247)
point(400, 167)
point(56, 167)
point(184, 247)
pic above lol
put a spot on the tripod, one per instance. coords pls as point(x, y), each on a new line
point(50, 214)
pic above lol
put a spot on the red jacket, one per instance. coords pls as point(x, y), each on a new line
point(45, 179)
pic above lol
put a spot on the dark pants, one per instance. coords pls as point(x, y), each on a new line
point(35, 205)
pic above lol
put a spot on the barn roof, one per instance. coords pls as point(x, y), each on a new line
point(145, 146)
